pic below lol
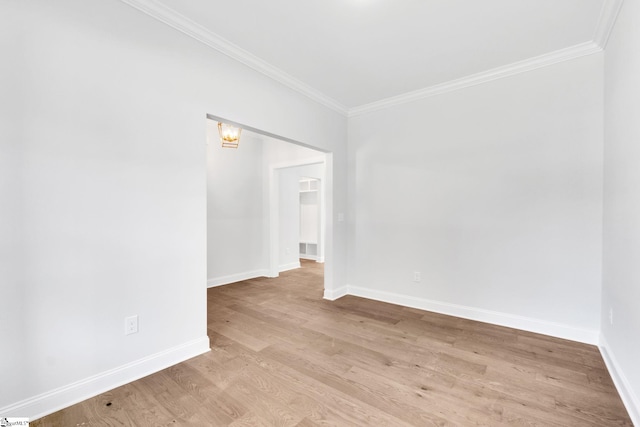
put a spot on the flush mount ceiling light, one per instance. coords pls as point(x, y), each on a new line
point(229, 135)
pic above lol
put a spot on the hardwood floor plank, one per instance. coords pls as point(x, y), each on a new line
point(240, 335)
point(268, 407)
point(306, 423)
point(283, 356)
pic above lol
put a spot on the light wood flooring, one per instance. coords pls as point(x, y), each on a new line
point(282, 356)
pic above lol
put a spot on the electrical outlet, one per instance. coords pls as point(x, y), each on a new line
point(131, 325)
point(611, 315)
point(287, 251)
point(417, 276)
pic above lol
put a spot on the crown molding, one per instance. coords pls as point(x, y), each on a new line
point(159, 11)
point(164, 14)
point(561, 55)
point(606, 21)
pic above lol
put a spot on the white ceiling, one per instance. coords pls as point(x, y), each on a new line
point(356, 52)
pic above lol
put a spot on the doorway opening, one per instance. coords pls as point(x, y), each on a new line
point(310, 243)
point(252, 231)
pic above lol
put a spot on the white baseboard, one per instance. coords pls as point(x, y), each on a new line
point(233, 278)
point(315, 258)
point(334, 294)
point(497, 318)
point(290, 266)
point(629, 397)
point(62, 397)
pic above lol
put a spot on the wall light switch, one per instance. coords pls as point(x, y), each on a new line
point(417, 276)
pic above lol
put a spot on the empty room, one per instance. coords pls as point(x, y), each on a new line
point(339, 212)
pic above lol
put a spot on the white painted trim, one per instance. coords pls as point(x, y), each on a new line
point(629, 397)
point(301, 162)
point(483, 77)
point(290, 266)
point(274, 221)
point(497, 318)
point(233, 278)
point(334, 294)
point(315, 258)
point(62, 397)
point(606, 21)
point(164, 14)
point(274, 227)
point(183, 24)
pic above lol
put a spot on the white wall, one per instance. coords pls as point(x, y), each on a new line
point(12, 297)
point(493, 193)
point(108, 191)
point(279, 153)
point(288, 219)
point(235, 209)
point(238, 205)
point(621, 265)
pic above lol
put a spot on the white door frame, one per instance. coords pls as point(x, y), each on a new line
point(326, 211)
point(323, 157)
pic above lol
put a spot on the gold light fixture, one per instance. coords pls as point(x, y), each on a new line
point(229, 135)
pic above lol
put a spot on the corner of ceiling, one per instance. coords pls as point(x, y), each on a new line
point(529, 64)
point(164, 14)
point(606, 21)
point(157, 10)
point(604, 27)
